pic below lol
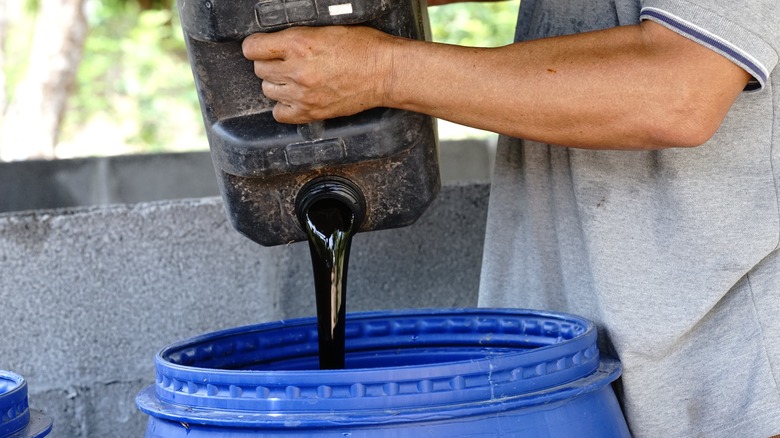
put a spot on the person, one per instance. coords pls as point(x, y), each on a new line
point(636, 180)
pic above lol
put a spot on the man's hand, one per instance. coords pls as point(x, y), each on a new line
point(323, 72)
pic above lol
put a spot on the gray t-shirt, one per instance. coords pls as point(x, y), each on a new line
point(673, 253)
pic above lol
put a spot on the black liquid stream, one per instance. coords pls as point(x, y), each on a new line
point(329, 225)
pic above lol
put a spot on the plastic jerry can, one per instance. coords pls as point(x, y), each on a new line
point(386, 159)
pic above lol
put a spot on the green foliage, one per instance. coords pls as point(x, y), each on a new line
point(134, 84)
point(31, 6)
point(489, 24)
point(135, 72)
point(17, 47)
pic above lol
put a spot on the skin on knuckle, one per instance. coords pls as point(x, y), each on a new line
point(280, 113)
point(318, 102)
point(246, 47)
point(268, 90)
point(317, 115)
point(302, 79)
point(251, 46)
point(311, 102)
point(298, 42)
point(306, 77)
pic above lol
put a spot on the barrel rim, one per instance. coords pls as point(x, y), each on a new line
point(609, 370)
point(503, 375)
point(14, 411)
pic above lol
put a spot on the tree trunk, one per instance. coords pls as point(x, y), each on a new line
point(32, 121)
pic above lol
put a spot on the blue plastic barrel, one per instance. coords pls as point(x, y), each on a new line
point(17, 420)
point(442, 372)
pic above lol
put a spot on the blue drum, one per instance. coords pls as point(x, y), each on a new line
point(441, 372)
point(17, 420)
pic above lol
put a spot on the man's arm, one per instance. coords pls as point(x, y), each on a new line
point(631, 87)
point(449, 2)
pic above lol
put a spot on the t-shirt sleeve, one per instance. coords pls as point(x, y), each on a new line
point(746, 32)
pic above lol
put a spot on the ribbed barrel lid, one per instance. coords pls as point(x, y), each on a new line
point(415, 361)
point(17, 420)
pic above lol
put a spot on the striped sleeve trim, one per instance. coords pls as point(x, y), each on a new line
point(759, 72)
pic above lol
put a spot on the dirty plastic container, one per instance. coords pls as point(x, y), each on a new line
point(386, 155)
point(443, 373)
point(17, 420)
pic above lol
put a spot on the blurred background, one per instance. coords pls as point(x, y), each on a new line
point(82, 78)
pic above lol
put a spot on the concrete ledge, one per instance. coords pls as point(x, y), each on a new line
point(34, 185)
point(90, 294)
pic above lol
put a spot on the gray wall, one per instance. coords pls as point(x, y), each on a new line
point(89, 294)
point(31, 185)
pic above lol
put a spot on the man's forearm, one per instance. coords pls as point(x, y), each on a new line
point(633, 87)
point(449, 2)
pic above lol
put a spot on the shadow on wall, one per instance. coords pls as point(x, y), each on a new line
point(34, 185)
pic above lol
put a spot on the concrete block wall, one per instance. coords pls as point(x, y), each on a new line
point(89, 294)
point(31, 185)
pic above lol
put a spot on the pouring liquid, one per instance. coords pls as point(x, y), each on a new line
point(330, 225)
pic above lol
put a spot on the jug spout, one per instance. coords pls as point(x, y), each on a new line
point(331, 189)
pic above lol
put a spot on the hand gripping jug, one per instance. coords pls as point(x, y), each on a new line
point(381, 163)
